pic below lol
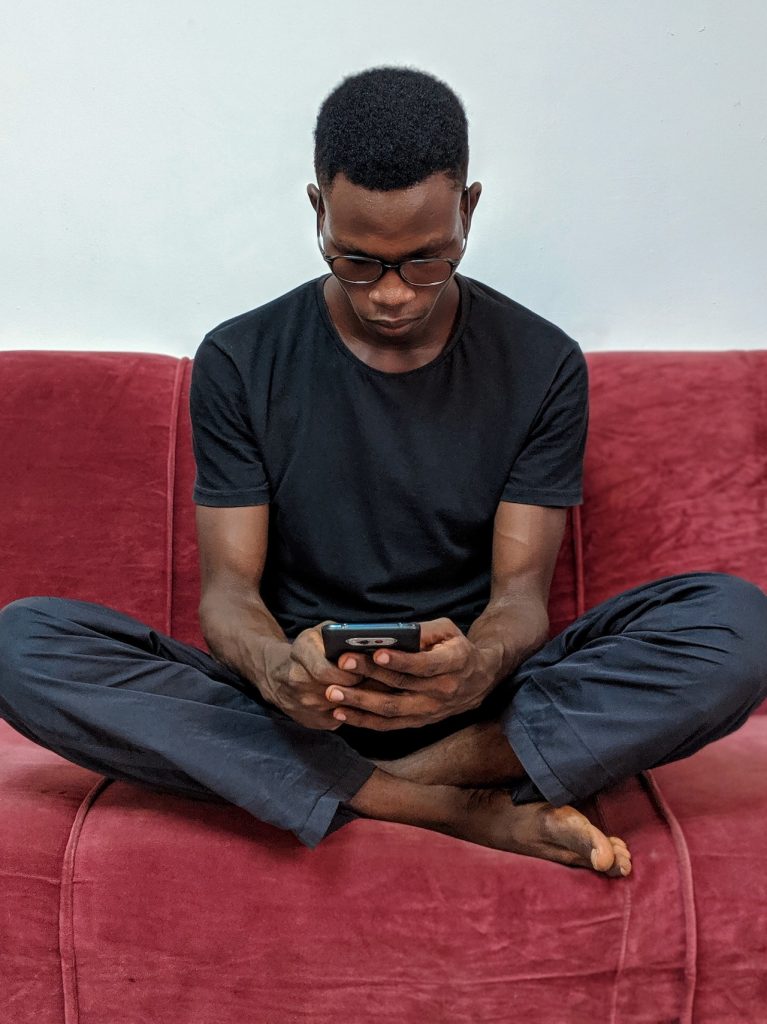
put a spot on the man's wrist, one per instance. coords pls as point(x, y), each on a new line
point(508, 632)
point(491, 657)
point(272, 651)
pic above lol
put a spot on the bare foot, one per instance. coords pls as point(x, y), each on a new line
point(489, 817)
point(561, 834)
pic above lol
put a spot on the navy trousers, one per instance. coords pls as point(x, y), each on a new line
point(647, 677)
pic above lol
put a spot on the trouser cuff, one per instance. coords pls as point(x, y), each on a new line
point(322, 814)
point(561, 769)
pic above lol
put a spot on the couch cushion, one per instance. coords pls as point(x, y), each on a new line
point(40, 797)
point(160, 898)
point(719, 800)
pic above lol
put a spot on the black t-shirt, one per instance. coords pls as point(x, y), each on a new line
point(383, 486)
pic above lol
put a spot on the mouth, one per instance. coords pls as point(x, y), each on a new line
point(392, 326)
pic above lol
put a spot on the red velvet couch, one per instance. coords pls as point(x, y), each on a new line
point(122, 905)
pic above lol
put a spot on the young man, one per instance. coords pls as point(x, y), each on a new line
point(393, 441)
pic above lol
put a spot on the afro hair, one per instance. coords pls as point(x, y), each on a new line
point(389, 128)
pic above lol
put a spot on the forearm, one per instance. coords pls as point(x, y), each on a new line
point(238, 628)
point(510, 630)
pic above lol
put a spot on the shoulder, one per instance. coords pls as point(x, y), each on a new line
point(521, 331)
point(245, 332)
point(489, 303)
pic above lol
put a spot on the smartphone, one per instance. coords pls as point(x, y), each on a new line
point(368, 637)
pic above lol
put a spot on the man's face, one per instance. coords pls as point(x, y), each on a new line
point(428, 219)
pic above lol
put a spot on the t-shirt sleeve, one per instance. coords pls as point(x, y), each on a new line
point(549, 468)
point(230, 470)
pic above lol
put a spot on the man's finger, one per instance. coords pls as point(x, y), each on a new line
point(370, 670)
point(316, 665)
point(365, 720)
point(385, 705)
point(448, 656)
point(433, 631)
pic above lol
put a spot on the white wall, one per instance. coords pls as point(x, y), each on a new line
point(157, 150)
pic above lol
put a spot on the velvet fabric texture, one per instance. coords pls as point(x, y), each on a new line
point(124, 904)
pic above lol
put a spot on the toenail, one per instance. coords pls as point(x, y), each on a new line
point(594, 855)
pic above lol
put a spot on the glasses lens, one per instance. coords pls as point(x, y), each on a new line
point(426, 271)
point(356, 271)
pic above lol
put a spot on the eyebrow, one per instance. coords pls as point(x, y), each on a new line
point(414, 254)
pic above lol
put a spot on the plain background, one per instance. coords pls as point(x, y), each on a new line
point(155, 157)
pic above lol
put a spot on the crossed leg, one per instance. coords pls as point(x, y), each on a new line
point(647, 677)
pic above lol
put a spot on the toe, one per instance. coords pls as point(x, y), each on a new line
point(622, 864)
point(602, 851)
point(584, 844)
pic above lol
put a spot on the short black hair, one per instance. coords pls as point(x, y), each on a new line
point(391, 127)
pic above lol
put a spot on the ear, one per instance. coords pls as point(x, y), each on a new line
point(469, 204)
point(314, 197)
point(318, 205)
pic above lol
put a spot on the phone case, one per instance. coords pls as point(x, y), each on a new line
point(367, 637)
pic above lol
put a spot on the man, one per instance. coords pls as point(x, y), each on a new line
point(392, 441)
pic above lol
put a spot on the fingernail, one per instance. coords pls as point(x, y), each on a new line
point(350, 664)
point(339, 715)
point(336, 694)
point(383, 659)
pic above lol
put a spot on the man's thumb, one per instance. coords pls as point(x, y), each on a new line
point(434, 630)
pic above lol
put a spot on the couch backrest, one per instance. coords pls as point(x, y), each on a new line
point(87, 461)
point(97, 469)
point(676, 467)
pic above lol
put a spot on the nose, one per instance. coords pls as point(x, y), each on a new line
point(391, 292)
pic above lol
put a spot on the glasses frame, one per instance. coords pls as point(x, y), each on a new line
point(383, 266)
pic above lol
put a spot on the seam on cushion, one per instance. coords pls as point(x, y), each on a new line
point(580, 582)
point(67, 952)
point(627, 904)
point(688, 894)
point(170, 491)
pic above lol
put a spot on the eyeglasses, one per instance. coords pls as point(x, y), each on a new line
point(424, 273)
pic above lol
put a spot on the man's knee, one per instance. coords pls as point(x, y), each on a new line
point(741, 607)
point(19, 634)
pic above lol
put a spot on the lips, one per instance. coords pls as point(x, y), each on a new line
point(392, 325)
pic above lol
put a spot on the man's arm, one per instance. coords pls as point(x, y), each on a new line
point(515, 623)
point(241, 631)
point(235, 622)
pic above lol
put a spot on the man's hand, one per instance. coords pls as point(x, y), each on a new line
point(298, 675)
point(447, 676)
